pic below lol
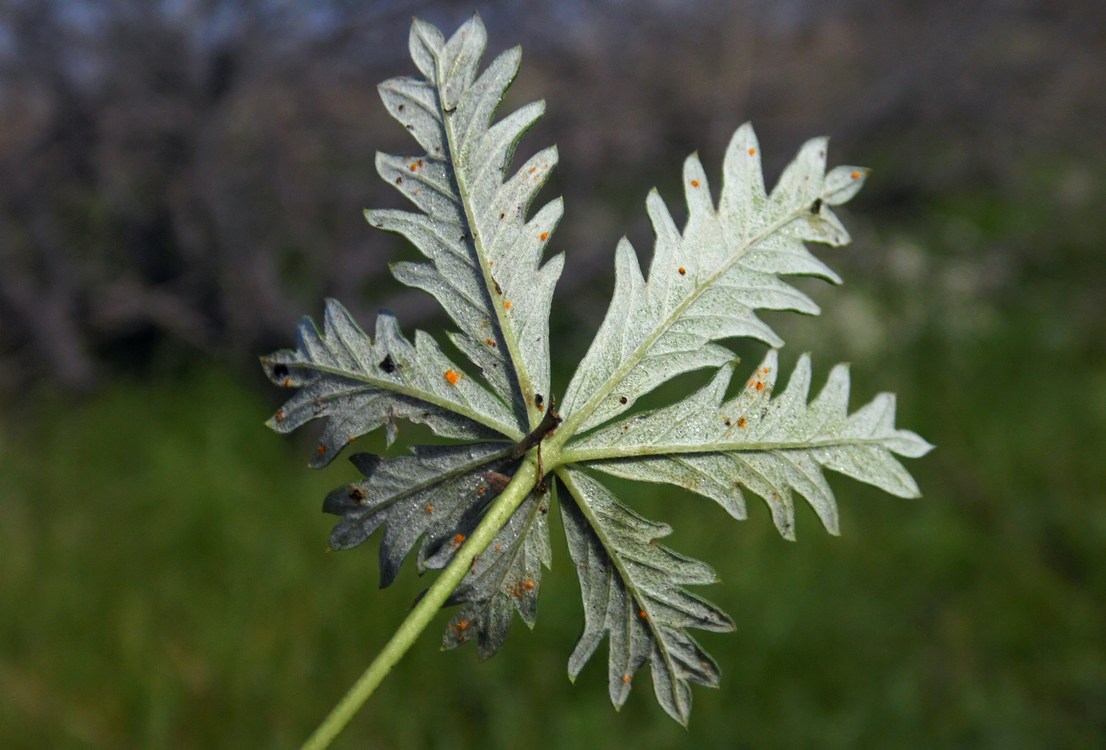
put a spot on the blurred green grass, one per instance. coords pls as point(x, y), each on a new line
point(165, 584)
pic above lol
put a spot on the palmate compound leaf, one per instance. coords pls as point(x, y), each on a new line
point(633, 592)
point(770, 446)
point(484, 265)
point(707, 282)
point(483, 257)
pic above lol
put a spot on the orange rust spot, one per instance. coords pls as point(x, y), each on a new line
point(543, 236)
point(741, 422)
point(481, 490)
point(855, 175)
point(682, 270)
point(451, 376)
point(533, 169)
point(279, 416)
point(458, 628)
point(760, 385)
point(416, 164)
point(506, 304)
point(458, 539)
point(321, 450)
point(528, 584)
point(287, 383)
point(499, 548)
point(489, 342)
point(695, 183)
point(428, 508)
point(626, 679)
point(766, 370)
point(351, 439)
point(491, 263)
point(643, 614)
point(752, 152)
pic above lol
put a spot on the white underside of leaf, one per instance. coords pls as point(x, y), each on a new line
point(358, 384)
point(770, 446)
point(707, 282)
point(483, 254)
point(633, 591)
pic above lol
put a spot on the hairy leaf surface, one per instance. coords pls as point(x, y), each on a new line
point(706, 282)
point(770, 446)
point(634, 593)
point(432, 495)
point(505, 578)
point(483, 255)
point(358, 384)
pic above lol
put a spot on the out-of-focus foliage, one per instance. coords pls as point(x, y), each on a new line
point(172, 169)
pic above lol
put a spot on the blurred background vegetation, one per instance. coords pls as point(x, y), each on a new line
point(182, 179)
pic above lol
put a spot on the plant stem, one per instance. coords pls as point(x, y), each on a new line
point(423, 612)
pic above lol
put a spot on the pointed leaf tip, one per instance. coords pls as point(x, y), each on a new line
point(483, 259)
point(707, 281)
point(767, 443)
point(634, 595)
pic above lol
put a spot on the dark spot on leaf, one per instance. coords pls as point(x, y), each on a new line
point(357, 494)
point(498, 288)
point(401, 107)
point(538, 400)
point(622, 399)
point(399, 180)
point(496, 480)
point(816, 207)
point(388, 364)
point(280, 371)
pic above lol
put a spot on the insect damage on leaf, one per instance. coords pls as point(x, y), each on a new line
point(517, 449)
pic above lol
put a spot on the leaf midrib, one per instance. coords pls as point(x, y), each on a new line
point(463, 410)
point(577, 455)
point(513, 360)
point(574, 420)
point(659, 642)
point(437, 479)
